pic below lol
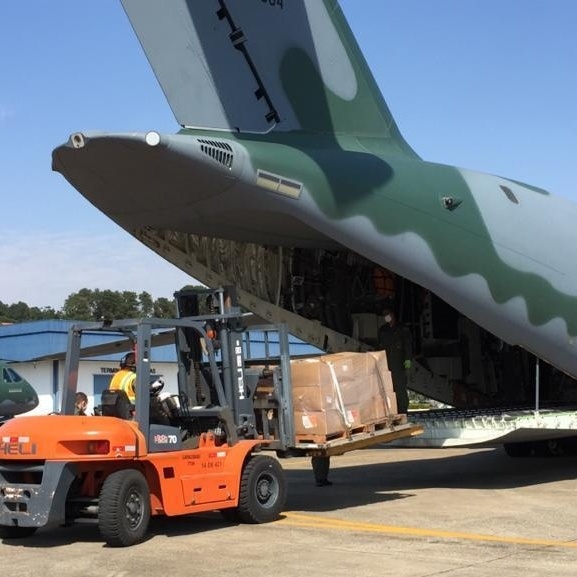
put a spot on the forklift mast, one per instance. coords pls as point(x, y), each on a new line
point(221, 314)
point(233, 379)
point(257, 413)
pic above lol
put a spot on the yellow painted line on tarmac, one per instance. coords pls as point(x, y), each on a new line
point(312, 521)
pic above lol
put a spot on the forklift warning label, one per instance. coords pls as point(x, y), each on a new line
point(239, 370)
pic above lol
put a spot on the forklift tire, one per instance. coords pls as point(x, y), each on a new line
point(9, 532)
point(230, 515)
point(124, 508)
point(262, 490)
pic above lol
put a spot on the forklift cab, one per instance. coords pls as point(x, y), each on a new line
point(217, 383)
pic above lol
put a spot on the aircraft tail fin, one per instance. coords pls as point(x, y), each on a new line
point(279, 65)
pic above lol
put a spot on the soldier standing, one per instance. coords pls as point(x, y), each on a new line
point(395, 340)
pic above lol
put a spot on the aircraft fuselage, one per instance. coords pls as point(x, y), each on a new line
point(494, 249)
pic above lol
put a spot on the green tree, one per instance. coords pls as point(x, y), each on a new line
point(21, 312)
point(130, 305)
point(78, 306)
point(44, 313)
point(98, 304)
point(146, 304)
point(164, 308)
point(107, 304)
point(93, 305)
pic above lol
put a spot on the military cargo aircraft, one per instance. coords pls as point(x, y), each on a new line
point(17, 396)
point(290, 179)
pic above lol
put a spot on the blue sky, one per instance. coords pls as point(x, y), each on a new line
point(482, 84)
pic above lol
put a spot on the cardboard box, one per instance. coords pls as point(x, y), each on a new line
point(386, 392)
point(314, 398)
point(380, 358)
point(355, 387)
point(347, 377)
point(319, 423)
point(374, 411)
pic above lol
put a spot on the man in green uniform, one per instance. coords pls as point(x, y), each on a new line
point(395, 340)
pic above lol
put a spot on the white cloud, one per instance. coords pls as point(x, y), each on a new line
point(43, 269)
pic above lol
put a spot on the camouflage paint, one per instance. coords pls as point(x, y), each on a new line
point(362, 185)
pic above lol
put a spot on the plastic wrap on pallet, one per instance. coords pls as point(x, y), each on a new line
point(345, 391)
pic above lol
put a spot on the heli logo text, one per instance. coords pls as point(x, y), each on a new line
point(17, 446)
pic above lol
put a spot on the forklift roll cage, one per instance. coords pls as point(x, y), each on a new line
point(225, 366)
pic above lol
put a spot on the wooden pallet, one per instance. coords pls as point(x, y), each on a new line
point(360, 441)
point(365, 436)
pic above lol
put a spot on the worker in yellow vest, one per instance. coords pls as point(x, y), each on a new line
point(125, 378)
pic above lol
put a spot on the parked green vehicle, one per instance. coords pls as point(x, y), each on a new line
point(17, 395)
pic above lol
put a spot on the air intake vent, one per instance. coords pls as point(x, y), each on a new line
point(219, 151)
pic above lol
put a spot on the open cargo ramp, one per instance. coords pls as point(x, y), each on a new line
point(489, 427)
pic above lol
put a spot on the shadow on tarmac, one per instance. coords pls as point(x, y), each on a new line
point(374, 482)
point(88, 532)
point(401, 473)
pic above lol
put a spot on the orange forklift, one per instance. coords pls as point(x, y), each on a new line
point(194, 451)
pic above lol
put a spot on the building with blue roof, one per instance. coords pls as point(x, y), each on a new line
point(38, 351)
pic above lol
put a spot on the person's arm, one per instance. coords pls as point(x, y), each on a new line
point(133, 386)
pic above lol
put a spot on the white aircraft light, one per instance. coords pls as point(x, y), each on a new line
point(152, 138)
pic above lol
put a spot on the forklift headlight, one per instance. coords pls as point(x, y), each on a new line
point(14, 493)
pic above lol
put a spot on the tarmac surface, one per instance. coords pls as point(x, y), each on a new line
point(391, 511)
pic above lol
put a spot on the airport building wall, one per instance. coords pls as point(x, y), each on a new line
point(36, 350)
point(94, 376)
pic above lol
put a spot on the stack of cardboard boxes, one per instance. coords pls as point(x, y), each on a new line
point(336, 394)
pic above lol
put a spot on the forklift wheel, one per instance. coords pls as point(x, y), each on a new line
point(262, 490)
point(124, 508)
point(230, 515)
point(9, 532)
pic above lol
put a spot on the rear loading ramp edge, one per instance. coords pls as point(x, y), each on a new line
point(492, 428)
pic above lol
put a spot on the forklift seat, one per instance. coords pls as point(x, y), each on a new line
point(115, 403)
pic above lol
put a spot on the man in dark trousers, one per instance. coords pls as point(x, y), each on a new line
point(321, 466)
point(395, 340)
